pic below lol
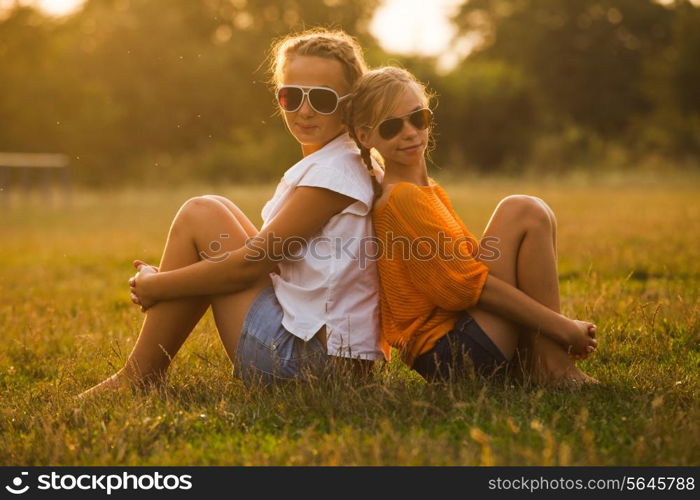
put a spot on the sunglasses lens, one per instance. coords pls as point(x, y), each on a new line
point(323, 101)
point(289, 98)
point(389, 128)
point(421, 119)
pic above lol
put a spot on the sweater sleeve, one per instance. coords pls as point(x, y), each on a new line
point(446, 201)
point(440, 260)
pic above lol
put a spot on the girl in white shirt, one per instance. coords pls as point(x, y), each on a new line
point(292, 294)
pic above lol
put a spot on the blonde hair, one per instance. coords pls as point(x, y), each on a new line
point(319, 42)
point(329, 44)
point(374, 99)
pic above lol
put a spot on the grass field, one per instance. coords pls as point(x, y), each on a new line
point(629, 261)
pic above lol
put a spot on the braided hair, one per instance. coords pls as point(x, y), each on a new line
point(373, 100)
point(365, 153)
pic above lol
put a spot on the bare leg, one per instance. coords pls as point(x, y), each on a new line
point(230, 309)
point(541, 282)
point(524, 233)
point(208, 224)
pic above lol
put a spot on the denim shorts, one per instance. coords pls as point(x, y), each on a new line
point(268, 353)
point(465, 347)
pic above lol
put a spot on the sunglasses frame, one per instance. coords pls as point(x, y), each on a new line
point(404, 119)
point(305, 94)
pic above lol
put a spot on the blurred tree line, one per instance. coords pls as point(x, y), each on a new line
point(576, 82)
point(172, 90)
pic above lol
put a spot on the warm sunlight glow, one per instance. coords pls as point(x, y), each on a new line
point(669, 2)
point(51, 7)
point(402, 26)
point(419, 27)
point(414, 26)
point(59, 7)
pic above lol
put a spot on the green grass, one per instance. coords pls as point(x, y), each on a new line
point(629, 261)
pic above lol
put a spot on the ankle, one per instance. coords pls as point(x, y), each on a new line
point(549, 369)
point(141, 378)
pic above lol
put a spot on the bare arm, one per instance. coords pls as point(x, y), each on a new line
point(456, 283)
point(507, 301)
point(306, 211)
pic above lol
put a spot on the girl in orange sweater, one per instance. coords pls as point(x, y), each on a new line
point(448, 300)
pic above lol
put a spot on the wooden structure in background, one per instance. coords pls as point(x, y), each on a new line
point(33, 169)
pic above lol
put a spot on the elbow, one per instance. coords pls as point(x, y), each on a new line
point(454, 300)
point(460, 303)
point(245, 275)
point(252, 273)
point(465, 296)
point(450, 301)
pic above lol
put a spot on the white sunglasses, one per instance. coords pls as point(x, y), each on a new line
point(321, 99)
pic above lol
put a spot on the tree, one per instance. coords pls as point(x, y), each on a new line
point(128, 88)
point(584, 57)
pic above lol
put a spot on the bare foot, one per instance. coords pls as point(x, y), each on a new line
point(119, 381)
point(569, 377)
point(573, 379)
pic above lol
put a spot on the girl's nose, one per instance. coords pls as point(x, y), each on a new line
point(306, 109)
point(408, 129)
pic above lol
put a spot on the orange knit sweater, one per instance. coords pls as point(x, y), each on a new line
point(427, 268)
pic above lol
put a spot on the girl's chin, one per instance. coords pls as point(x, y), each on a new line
point(409, 156)
point(406, 161)
point(314, 138)
point(307, 131)
point(306, 138)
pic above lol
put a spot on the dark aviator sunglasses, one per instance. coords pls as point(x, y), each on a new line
point(420, 119)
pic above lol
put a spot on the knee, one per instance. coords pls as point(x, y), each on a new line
point(197, 207)
point(527, 209)
point(548, 210)
point(217, 198)
point(197, 204)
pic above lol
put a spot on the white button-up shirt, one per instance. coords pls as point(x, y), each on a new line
point(334, 280)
